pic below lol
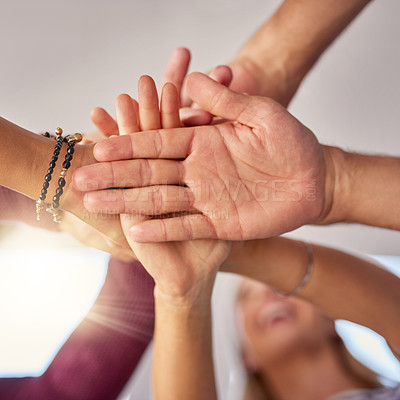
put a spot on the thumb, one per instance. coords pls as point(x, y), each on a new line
point(221, 101)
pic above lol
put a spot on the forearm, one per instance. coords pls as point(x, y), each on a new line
point(25, 158)
point(342, 285)
point(183, 364)
point(365, 189)
point(291, 41)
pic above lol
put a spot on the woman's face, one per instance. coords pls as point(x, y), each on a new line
point(273, 326)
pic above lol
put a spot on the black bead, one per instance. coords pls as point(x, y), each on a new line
point(66, 164)
point(44, 191)
point(52, 164)
point(47, 178)
point(59, 138)
point(42, 197)
point(61, 182)
point(56, 198)
point(59, 191)
point(46, 134)
point(56, 204)
point(54, 159)
point(70, 150)
point(56, 153)
point(45, 185)
point(68, 157)
point(50, 170)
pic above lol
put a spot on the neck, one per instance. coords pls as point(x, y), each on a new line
point(309, 375)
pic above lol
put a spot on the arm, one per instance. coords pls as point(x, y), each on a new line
point(264, 174)
point(104, 350)
point(342, 285)
point(25, 159)
point(183, 362)
point(184, 273)
point(280, 54)
point(365, 189)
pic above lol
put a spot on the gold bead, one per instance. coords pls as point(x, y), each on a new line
point(77, 137)
point(63, 172)
point(58, 131)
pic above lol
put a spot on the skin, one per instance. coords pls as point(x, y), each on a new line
point(350, 191)
point(283, 50)
point(261, 197)
point(265, 174)
point(189, 264)
point(302, 355)
point(32, 154)
point(290, 344)
point(184, 274)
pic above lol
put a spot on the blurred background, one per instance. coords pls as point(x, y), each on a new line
point(60, 59)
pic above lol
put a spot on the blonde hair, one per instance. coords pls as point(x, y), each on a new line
point(257, 390)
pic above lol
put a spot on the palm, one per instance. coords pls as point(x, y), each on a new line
point(259, 176)
point(246, 181)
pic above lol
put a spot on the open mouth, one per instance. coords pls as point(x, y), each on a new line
point(275, 313)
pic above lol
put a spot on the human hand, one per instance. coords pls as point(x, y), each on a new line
point(261, 175)
point(180, 269)
point(72, 201)
point(255, 80)
point(175, 72)
point(77, 227)
point(89, 236)
point(242, 74)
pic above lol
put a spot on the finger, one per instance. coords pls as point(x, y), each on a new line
point(169, 143)
point(104, 122)
point(127, 174)
point(136, 109)
point(152, 200)
point(126, 114)
point(187, 227)
point(222, 74)
point(170, 107)
point(223, 102)
point(149, 113)
point(177, 67)
point(194, 116)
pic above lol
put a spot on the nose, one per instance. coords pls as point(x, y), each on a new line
point(269, 293)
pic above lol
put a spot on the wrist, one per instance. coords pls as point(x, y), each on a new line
point(252, 77)
point(337, 186)
point(83, 155)
point(277, 261)
point(194, 299)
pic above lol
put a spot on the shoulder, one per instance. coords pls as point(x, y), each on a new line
point(375, 394)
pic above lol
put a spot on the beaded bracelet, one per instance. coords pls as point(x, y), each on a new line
point(53, 208)
point(47, 178)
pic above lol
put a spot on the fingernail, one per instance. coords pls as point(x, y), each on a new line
point(136, 233)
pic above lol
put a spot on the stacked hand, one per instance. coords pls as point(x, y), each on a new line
point(180, 269)
point(260, 175)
